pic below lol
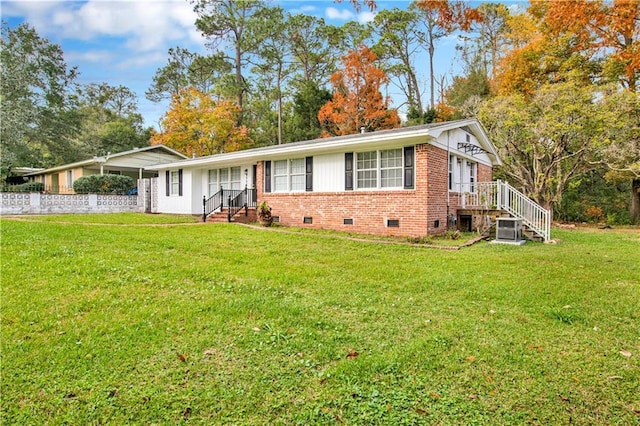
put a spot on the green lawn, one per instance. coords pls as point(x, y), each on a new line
point(219, 324)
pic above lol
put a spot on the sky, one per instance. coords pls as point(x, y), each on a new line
point(124, 42)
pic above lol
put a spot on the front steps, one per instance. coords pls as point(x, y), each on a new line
point(222, 216)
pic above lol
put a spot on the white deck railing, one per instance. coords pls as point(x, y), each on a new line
point(502, 196)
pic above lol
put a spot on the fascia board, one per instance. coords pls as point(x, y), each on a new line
point(287, 150)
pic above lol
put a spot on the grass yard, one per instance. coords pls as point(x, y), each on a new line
point(219, 324)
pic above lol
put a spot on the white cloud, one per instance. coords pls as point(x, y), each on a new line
point(343, 15)
point(145, 25)
point(364, 17)
point(92, 56)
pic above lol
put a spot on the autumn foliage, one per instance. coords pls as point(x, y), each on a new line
point(556, 40)
point(196, 124)
point(357, 101)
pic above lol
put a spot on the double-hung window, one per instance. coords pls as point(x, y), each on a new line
point(391, 168)
point(228, 178)
point(379, 169)
point(174, 182)
point(297, 174)
point(289, 175)
point(367, 169)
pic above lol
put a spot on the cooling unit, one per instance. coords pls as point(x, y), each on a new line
point(509, 230)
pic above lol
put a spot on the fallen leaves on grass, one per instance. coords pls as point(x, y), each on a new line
point(209, 351)
point(625, 353)
point(181, 357)
point(352, 354)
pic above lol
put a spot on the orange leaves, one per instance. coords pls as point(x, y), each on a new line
point(451, 15)
point(196, 124)
point(555, 41)
point(357, 101)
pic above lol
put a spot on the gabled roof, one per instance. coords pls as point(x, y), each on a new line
point(106, 158)
point(415, 134)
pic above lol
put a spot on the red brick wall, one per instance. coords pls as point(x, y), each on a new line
point(437, 180)
point(417, 209)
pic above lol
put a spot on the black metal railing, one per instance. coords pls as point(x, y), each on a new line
point(234, 200)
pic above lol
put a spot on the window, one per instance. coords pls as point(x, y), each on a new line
point(298, 169)
point(391, 168)
point(214, 186)
point(289, 175)
point(236, 177)
point(69, 178)
point(451, 162)
point(280, 177)
point(388, 174)
point(229, 178)
point(367, 169)
point(174, 183)
point(463, 174)
point(472, 175)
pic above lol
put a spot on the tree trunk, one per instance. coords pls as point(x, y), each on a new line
point(635, 201)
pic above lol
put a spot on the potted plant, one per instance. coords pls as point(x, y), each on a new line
point(264, 214)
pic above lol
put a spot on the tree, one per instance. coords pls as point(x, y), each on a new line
point(314, 47)
point(198, 125)
point(188, 69)
point(37, 115)
point(619, 146)
point(609, 28)
point(274, 66)
point(110, 121)
point(230, 21)
point(545, 139)
point(397, 45)
point(441, 18)
point(304, 123)
point(357, 102)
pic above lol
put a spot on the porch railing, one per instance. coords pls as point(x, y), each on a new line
point(233, 200)
point(500, 195)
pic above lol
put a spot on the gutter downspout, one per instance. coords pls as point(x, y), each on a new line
point(448, 197)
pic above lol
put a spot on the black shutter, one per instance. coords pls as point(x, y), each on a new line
point(309, 174)
point(180, 182)
point(267, 176)
point(348, 171)
point(167, 176)
point(408, 167)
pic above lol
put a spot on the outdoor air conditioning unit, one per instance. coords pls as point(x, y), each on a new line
point(509, 231)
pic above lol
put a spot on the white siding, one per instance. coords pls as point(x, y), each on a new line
point(328, 173)
point(450, 139)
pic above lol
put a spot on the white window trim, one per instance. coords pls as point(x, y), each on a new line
point(174, 183)
point(463, 174)
point(288, 175)
point(378, 171)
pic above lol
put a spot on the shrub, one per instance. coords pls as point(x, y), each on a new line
point(25, 187)
point(103, 184)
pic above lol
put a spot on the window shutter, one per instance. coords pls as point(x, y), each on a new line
point(267, 176)
point(348, 171)
point(408, 167)
point(309, 174)
point(167, 177)
point(180, 182)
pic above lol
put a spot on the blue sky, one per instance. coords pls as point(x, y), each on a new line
point(124, 42)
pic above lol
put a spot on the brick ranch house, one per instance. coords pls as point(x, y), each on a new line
point(411, 181)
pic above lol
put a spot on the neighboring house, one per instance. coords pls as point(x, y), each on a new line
point(411, 181)
point(129, 163)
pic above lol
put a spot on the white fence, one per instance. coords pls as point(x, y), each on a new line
point(36, 203)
